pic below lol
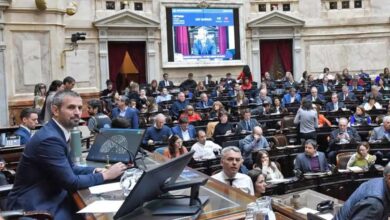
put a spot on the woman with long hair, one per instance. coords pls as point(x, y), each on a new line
point(175, 147)
point(322, 120)
point(362, 158)
point(39, 96)
point(246, 73)
point(217, 107)
point(267, 167)
point(360, 117)
point(46, 113)
point(153, 89)
point(258, 180)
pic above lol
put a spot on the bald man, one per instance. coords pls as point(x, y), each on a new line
point(253, 142)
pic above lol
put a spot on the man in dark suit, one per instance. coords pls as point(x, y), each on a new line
point(29, 118)
point(165, 82)
point(325, 86)
point(179, 105)
point(334, 105)
point(246, 123)
point(204, 102)
point(346, 95)
point(124, 111)
point(314, 96)
point(184, 130)
point(342, 135)
point(46, 175)
point(311, 160)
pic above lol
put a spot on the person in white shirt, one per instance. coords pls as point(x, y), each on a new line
point(231, 161)
point(204, 149)
point(164, 96)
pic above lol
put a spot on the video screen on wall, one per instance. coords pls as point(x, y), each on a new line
point(202, 34)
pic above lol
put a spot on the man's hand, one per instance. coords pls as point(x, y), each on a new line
point(114, 171)
point(150, 142)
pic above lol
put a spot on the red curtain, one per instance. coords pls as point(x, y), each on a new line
point(271, 48)
point(137, 54)
point(285, 53)
point(268, 50)
point(116, 53)
point(182, 43)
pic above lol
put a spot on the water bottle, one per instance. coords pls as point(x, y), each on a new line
point(75, 145)
point(251, 209)
point(264, 209)
point(3, 139)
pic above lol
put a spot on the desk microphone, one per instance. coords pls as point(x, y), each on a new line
point(131, 155)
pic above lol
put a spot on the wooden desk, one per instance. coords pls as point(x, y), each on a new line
point(12, 155)
point(225, 202)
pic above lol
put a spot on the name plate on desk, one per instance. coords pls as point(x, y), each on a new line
point(11, 141)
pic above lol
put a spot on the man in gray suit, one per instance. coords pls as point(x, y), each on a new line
point(311, 160)
point(381, 134)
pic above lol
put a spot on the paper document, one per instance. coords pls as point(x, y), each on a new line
point(326, 216)
point(306, 210)
point(102, 206)
point(105, 188)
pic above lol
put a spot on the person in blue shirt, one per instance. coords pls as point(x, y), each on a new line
point(179, 105)
point(204, 102)
point(204, 44)
point(126, 112)
point(158, 133)
point(253, 142)
point(29, 118)
point(291, 97)
point(184, 130)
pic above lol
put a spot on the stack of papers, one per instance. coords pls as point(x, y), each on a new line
point(103, 206)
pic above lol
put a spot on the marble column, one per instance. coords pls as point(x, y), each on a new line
point(256, 61)
point(152, 61)
point(297, 56)
point(4, 118)
point(103, 57)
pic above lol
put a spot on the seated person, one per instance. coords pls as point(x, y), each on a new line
point(311, 160)
point(188, 94)
point(120, 123)
point(126, 112)
point(235, 91)
point(29, 119)
point(175, 147)
point(164, 96)
point(3, 178)
point(230, 82)
point(355, 87)
point(369, 201)
point(165, 82)
point(362, 158)
point(374, 94)
point(215, 109)
point(189, 83)
point(291, 97)
point(224, 127)
point(325, 86)
point(322, 120)
point(204, 102)
point(246, 124)
point(314, 96)
point(346, 95)
point(258, 180)
point(263, 97)
point(334, 105)
point(190, 114)
point(231, 160)
point(372, 104)
point(184, 130)
point(209, 81)
point(109, 91)
point(360, 117)
point(290, 82)
point(159, 132)
point(97, 118)
point(205, 149)
point(218, 92)
point(253, 142)
point(277, 108)
point(267, 167)
point(381, 134)
point(342, 135)
point(179, 105)
point(246, 84)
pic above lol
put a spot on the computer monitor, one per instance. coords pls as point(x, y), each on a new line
point(150, 185)
point(116, 145)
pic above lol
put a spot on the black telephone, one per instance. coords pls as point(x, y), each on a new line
point(325, 205)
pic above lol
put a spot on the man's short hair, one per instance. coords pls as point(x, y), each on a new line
point(165, 74)
point(26, 112)
point(59, 97)
point(124, 99)
point(160, 116)
point(183, 120)
point(230, 148)
point(200, 131)
point(386, 171)
point(94, 103)
point(386, 118)
point(120, 123)
point(108, 82)
point(311, 142)
point(68, 80)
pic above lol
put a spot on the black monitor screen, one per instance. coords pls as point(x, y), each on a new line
point(150, 184)
point(115, 145)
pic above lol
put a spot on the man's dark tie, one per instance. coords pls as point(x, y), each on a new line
point(230, 181)
point(248, 127)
